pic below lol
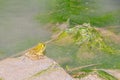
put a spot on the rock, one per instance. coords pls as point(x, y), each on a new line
point(115, 72)
point(22, 68)
point(91, 77)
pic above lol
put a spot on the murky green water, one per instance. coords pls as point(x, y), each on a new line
point(19, 31)
point(18, 28)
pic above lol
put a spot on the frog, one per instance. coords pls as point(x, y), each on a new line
point(36, 52)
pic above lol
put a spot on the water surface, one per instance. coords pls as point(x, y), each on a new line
point(18, 28)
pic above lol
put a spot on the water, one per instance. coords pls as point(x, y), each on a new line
point(18, 28)
point(19, 31)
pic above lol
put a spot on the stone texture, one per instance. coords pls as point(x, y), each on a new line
point(22, 68)
point(113, 72)
point(91, 77)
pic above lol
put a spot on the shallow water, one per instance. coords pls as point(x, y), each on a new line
point(19, 31)
point(18, 28)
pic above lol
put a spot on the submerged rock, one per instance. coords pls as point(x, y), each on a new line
point(91, 77)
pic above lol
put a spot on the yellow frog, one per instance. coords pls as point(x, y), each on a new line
point(36, 52)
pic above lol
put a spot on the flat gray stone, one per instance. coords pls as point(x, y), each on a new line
point(23, 68)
